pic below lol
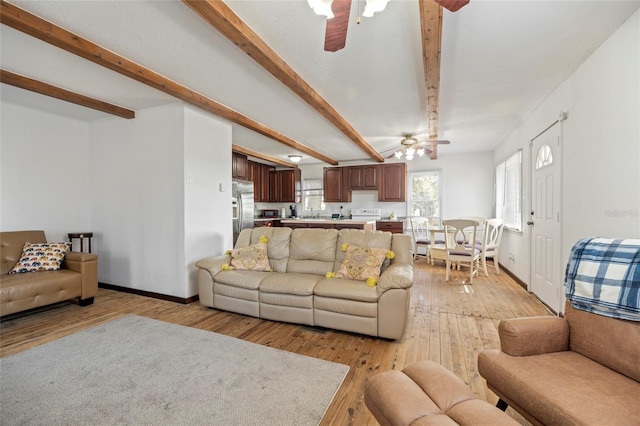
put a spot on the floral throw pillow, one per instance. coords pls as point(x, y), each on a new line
point(38, 257)
point(362, 263)
point(253, 258)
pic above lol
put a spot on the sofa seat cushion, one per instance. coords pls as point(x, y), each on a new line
point(342, 288)
point(290, 283)
point(242, 278)
point(346, 307)
point(562, 388)
point(20, 292)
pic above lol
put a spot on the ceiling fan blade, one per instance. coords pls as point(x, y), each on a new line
point(437, 142)
point(452, 5)
point(336, 31)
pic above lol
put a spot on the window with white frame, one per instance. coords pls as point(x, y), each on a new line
point(509, 191)
point(313, 195)
point(425, 196)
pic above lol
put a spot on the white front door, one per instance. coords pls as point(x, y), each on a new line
point(546, 268)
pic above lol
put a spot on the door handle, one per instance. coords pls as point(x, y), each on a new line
point(530, 222)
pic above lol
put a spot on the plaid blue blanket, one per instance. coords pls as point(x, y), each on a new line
point(603, 277)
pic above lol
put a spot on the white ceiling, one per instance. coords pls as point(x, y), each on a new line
point(499, 60)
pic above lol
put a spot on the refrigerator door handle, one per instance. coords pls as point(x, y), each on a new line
point(240, 211)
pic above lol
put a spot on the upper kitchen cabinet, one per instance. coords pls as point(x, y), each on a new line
point(393, 182)
point(335, 183)
point(285, 186)
point(259, 175)
point(239, 166)
point(363, 177)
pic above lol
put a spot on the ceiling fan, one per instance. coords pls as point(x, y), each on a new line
point(337, 13)
point(410, 147)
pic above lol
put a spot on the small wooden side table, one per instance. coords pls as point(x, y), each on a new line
point(81, 236)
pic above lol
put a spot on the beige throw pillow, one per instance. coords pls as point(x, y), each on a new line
point(362, 263)
point(252, 258)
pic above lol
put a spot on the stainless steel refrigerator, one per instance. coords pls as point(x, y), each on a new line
point(242, 199)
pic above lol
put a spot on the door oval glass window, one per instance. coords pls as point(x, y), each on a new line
point(544, 158)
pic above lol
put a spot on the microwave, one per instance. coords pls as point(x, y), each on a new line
point(271, 213)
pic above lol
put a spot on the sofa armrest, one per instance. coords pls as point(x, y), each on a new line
point(398, 275)
point(213, 264)
point(533, 335)
point(207, 269)
point(86, 264)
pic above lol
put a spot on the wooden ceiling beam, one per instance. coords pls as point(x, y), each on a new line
point(431, 27)
point(223, 19)
point(21, 20)
point(7, 77)
point(256, 154)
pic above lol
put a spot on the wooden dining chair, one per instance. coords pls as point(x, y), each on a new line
point(420, 234)
point(460, 237)
point(491, 243)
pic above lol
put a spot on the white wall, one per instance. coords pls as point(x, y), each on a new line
point(467, 185)
point(44, 172)
point(148, 188)
point(600, 152)
point(207, 194)
point(137, 209)
point(158, 207)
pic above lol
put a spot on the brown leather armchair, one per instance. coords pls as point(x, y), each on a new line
point(78, 277)
point(581, 369)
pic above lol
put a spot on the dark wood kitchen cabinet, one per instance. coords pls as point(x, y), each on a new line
point(285, 186)
point(259, 175)
point(393, 226)
point(363, 177)
point(336, 189)
point(239, 166)
point(392, 182)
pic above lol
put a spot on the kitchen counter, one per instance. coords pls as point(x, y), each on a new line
point(330, 223)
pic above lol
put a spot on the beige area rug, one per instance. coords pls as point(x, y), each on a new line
point(140, 371)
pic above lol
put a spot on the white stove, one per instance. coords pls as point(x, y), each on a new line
point(366, 214)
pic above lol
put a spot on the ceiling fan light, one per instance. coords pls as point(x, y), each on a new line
point(420, 152)
point(321, 7)
point(410, 152)
point(295, 158)
point(373, 6)
point(398, 154)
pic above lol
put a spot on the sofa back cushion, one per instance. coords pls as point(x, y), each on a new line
point(11, 246)
point(312, 250)
point(277, 244)
point(360, 238)
point(612, 342)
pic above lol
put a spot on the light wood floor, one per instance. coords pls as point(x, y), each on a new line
point(449, 322)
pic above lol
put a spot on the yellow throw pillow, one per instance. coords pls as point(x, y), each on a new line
point(252, 258)
point(362, 263)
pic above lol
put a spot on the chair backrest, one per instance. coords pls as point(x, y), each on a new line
point(419, 229)
point(493, 233)
point(460, 234)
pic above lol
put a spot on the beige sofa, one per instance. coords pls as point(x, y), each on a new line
point(578, 370)
point(78, 277)
point(298, 290)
